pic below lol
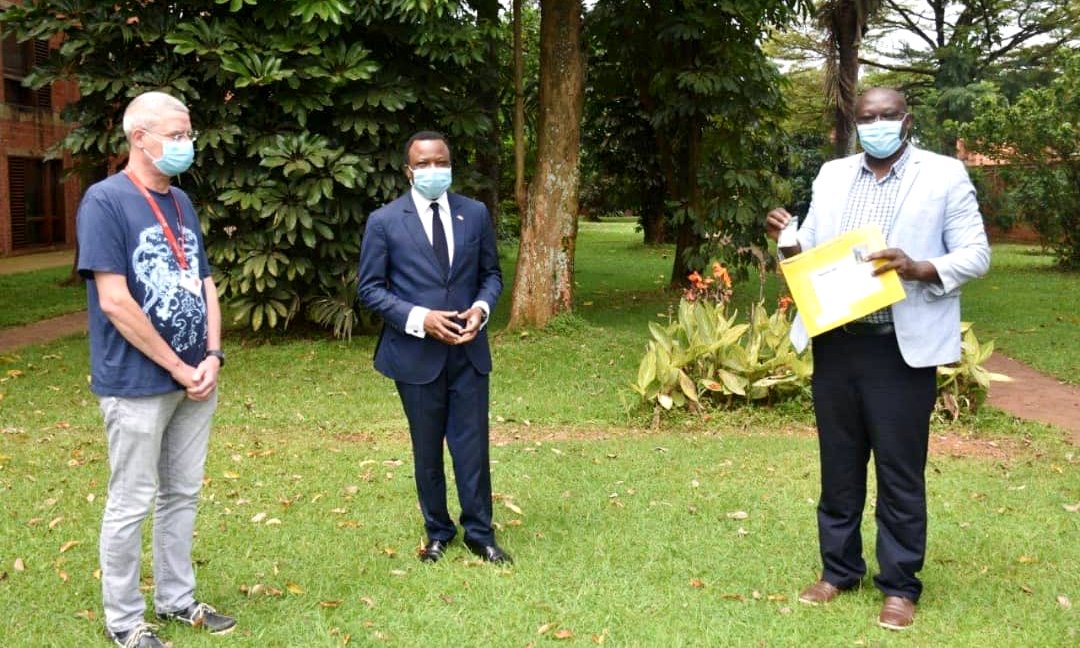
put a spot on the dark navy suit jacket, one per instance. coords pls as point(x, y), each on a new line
point(398, 270)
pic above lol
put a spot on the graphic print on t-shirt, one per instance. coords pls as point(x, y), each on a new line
point(168, 304)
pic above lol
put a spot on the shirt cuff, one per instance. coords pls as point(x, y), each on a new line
point(414, 325)
point(483, 305)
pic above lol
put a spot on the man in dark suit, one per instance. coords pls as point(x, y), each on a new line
point(430, 268)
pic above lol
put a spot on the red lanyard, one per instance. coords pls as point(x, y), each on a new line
point(177, 246)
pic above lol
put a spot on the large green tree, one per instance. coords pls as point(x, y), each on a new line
point(699, 101)
point(303, 106)
point(1037, 137)
point(940, 51)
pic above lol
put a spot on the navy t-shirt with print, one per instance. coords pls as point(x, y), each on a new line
point(119, 233)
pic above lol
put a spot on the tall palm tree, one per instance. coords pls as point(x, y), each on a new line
point(844, 23)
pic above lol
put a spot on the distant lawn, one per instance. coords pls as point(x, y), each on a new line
point(1029, 308)
point(627, 535)
point(27, 297)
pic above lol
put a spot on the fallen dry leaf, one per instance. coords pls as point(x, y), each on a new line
point(368, 601)
point(228, 474)
point(1064, 601)
point(90, 497)
point(273, 522)
point(733, 597)
point(1026, 588)
point(70, 544)
point(258, 517)
point(398, 572)
point(1071, 508)
point(513, 507)
point(564, 634)
point(697, 583)
point(546, 628)
point(293, 588)
point(738, 515)
point(89, 615)
point(63, 575)
point(19, 565)
point(55, 521)
point(1027, 560)
point(330, 604)
point(777, 598)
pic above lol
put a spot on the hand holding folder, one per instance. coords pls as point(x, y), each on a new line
point(834, 283)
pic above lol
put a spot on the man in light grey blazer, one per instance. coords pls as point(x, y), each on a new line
point(874, 380)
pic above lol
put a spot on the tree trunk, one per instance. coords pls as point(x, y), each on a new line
point(686, 237)
point(653, 221)
point(519, 115)
point(544, 282)
point(847, 70)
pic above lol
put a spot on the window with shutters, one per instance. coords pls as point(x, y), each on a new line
point(19, 60)
point(36, 189)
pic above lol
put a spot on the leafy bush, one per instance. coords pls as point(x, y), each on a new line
point(962, 386)
point(303, 107)
point(706, 356)
point(703, 354)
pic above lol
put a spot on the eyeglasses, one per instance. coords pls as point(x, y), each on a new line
point(176, 137)
point(870, 119)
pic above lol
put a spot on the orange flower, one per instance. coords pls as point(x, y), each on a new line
point(784, 303)
point(721, 273)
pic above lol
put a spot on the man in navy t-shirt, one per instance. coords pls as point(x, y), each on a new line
point(155, 353)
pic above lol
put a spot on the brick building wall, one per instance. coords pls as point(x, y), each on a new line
point(37, 203)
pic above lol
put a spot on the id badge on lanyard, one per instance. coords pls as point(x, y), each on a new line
point(189, 278)
point(190, 282)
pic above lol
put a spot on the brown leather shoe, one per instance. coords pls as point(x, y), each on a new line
point(898, 613)
point(820, 592)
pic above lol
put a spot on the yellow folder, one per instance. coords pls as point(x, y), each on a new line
point(832, 284)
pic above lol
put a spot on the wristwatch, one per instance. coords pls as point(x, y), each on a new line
point(217, 353)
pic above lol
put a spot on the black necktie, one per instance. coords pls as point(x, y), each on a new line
point(438, 239)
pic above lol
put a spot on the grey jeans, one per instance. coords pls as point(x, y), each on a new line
point(157, 450)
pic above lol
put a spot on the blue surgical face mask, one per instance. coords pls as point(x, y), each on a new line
point(431, 182)
point(176, 157)
point(881, 138)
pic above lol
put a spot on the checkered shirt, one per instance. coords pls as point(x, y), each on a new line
point(874, 201)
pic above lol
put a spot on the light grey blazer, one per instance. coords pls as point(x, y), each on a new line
point(937, 220)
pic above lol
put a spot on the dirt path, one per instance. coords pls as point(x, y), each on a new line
point(1034, 396)
point(1031, 395)
point(43, 331)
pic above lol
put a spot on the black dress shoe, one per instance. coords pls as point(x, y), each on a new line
point(491, 553)
point(433, 550)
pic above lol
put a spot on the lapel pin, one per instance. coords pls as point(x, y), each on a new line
point(460, 217)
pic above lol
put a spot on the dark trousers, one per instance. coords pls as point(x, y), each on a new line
point(453, 407)
point(867, 399)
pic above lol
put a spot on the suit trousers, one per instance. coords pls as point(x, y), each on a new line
point(157, 451)
point(867, 399)
point(454, 408)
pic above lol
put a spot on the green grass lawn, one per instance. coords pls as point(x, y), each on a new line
point(1030, 309)
point(630, 536)
point(31, 296)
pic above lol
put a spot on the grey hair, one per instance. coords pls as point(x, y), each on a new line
point(144, 110)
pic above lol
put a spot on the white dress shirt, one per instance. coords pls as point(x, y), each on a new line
point(414, 325)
